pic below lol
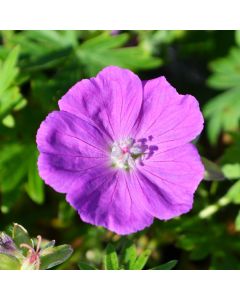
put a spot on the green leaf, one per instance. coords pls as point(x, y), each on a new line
point(8, 71)
point(8, 262)
point(24, 156)
point(223, 113)
point(10, 99)
point(231, 171)
point(214, 127)
point(212, 171)
point(141, 260)
point(226, 71)
point(10, 95)
point(65, 213)
point(12, 155)
point(104, 41)
point(234, 192)
point(9, 199)
point(105, 50)
point(9, 121)
point(52, 257)
point(129, 255)
point(20, 235)
point(34, 187)
point(110, 260)
point(231, 154)
point(84, 266)
point(21, 104)
point(167, 266)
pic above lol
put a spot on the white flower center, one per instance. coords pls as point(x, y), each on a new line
point(124, 153)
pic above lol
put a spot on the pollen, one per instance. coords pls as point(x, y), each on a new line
point(125, 153)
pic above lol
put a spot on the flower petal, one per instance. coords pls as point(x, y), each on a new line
point(169, 118)
point(64, 133)
point(110, 200)
point(170, 179)
point(112, 100)
point(69, 147)
point(61, 171)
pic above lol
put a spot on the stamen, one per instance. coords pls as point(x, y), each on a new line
point(27, 246)
point(39, 240)
point(124, 153)
point(33, 257)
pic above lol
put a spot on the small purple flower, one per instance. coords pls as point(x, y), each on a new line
point(7, 245)
point(119, 148)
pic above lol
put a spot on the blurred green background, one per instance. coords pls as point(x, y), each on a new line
point(38, 67)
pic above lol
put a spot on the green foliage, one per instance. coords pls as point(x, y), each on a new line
point(167, 266)
point(231, 171)
point(10, 96)
point(105, 50)
point(223, 111)
point(127, 259)
point(84, 266)
point(129, 255)
point(12, 179)
point(111, 259)
point(141, 260)
point(131, 260)
point(34, 185)
point(53, 256)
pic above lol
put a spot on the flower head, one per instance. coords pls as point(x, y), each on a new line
point(120, 149)
point(7, 245)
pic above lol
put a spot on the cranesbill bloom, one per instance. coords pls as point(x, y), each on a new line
point(119, 148)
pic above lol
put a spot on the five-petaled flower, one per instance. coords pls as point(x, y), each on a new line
point(120, 149)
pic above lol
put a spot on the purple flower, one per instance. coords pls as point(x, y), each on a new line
point(7, 245)
point(119, 148)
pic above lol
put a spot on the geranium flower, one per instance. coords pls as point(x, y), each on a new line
point(119, 148)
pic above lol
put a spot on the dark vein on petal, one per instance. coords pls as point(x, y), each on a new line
point(159, 191)
point(131, 203)
point(173, 183)
point(67, 154)
point(110, 202)
point(100, 185)
point(61, 133)
point(76, 171)
point(177, 139)
point(176, 125)
point(161, 113)
point(171, 149)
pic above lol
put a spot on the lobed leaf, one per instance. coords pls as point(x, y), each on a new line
point(34, 187)
point(110, 260)
point(141, 260)
point(129, 255)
